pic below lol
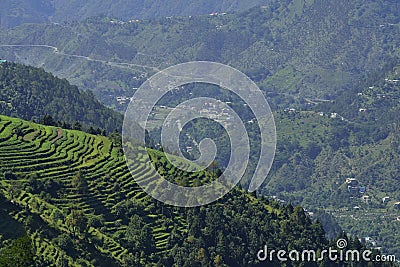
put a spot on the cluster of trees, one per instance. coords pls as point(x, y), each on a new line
point(49, 121)
point(230, 233)
point(33, 94)
point(211, 241)
point(18, 254)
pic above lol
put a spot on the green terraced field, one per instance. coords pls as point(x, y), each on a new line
point(57, 155)
point(73, 195)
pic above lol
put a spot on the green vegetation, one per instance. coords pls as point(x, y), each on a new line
point(353, 137)
point(76, 201)
point(17, 12)
point(329, 69)
point(13, 13)
point(18, 253)
point(321, 145)
point(292, 49)
point(80, 205)
point(33, 94)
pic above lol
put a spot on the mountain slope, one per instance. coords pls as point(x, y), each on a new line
point(66, 10)
point(75, 197)
point(31, 93)
point(13, 13)
point(323, 144)
point(354, 137)
point(16, 12)
point(292, 49)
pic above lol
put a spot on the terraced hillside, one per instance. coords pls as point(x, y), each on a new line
point(35, 157)
point(71, 193)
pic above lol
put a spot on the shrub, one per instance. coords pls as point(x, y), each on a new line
point(9, 175)
point(65, 242)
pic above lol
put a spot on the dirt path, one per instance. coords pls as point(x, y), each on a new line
point(59, 134)
point(131, 66)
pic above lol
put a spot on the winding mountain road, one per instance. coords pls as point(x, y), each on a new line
point(110, 63)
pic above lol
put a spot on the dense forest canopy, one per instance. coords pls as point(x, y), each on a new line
point(32, 94)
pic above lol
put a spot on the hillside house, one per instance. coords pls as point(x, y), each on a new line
point(354, 190)
point(354, 187)
point(385, 200)
point(370, 241)
point(366, 199)
point(310, 214)
point(352, 182)
point(362, 189)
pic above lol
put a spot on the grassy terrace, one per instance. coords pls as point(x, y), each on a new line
point(57, 155)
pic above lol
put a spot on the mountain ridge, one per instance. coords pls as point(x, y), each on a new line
point(14, 13)
point(31, 93)
point(293, 50)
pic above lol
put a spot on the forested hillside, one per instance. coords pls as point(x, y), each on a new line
point(340, 156)
point(65, 168)
point(292, 49)
point(68, 199)
point(329, 69)
point(33, 94)
point(16, 12)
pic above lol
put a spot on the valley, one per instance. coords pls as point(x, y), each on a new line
point(330, 71)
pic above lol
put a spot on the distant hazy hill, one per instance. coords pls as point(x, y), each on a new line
point(293, 50)
point(16, 12)
point(21, 11)
point(31, 93)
